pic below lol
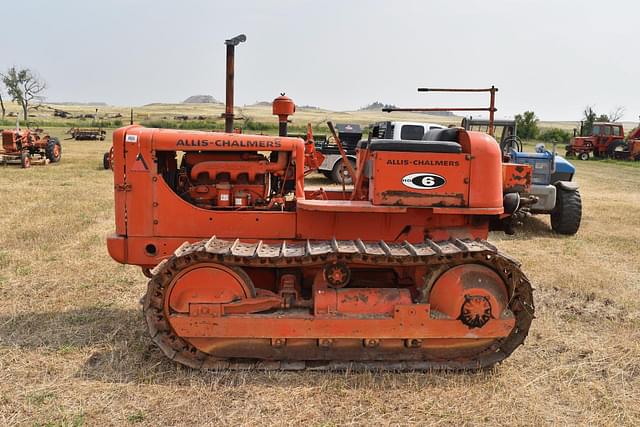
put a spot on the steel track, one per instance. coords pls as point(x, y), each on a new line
point(438, 256)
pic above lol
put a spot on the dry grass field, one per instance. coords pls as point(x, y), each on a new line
point(259, 113)
point(73, 350)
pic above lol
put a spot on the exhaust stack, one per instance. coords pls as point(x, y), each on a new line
point(231, 46)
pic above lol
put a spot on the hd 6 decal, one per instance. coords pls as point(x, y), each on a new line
point(423, 181)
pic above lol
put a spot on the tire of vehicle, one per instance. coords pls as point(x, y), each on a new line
point(106, 161)
point(615, 146)
point(53, 151)
point(25, 161)
point(583, 156)
point(567, 214)
point(340, 172)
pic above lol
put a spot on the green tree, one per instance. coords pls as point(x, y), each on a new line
point(527, 124)
point(555, 135)
point(588, 118)
point(23, 86)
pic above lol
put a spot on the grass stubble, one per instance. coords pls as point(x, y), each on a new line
point(73, 350)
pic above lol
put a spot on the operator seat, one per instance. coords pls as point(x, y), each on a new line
point(415, 146)
point(434, 141)
point(449, 134)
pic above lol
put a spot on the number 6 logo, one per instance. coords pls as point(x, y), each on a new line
point(428, 181)
point(423, 181)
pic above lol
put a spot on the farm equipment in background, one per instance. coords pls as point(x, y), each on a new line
point(107, 159)
point(504, 131)
point(87, 134)
point(631, 148)
point(405, 131)
point(249, 269)
point(601, 140)
point(551, 178)
point(557, 195)
point(333, 166)
point(25, 147)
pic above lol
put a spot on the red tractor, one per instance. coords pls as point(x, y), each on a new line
point(26, 146)
point(602, 139)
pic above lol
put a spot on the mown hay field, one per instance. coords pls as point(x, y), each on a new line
point(73, 349)
point(204, 115)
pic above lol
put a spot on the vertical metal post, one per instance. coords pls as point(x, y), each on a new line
point(492, 108)
point(231, 47)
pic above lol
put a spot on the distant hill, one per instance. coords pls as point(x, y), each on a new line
point(440, 113)
point(376, 106)
point(201, 99)
point(260, 104)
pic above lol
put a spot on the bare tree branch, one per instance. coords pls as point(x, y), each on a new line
point(23, 86)
point(4, 110)
point(617, 113)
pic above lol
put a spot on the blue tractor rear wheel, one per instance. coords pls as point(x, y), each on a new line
point(567, 214)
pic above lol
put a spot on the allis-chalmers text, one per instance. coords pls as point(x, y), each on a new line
point(418, 162)
point(223, 143)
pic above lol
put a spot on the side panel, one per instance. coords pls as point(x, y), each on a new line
point(419, 179)
point(119, 180)
point(139, 162)
point(413, 226)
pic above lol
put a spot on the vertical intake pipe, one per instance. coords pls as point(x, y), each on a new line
point(283, 107)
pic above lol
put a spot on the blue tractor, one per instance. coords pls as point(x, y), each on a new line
point(553, 189)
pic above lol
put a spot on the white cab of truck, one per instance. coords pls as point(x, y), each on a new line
point(402, 130)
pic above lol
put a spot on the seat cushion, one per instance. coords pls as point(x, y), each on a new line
point(415, 146)
point(450, 134)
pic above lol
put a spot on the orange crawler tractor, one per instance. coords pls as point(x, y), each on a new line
point(249, 269)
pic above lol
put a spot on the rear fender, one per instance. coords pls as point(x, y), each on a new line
point(566, 185)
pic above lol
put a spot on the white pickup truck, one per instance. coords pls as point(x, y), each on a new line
point(333, 166)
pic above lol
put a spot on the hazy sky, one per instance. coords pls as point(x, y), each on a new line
point(554, 57)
